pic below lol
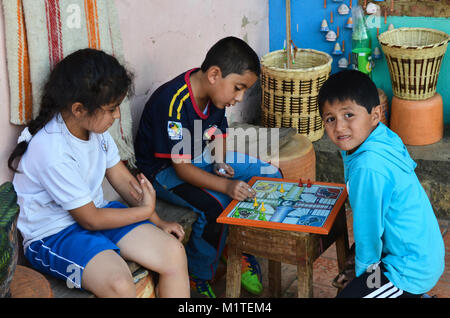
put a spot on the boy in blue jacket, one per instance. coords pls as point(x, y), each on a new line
point(399, 250)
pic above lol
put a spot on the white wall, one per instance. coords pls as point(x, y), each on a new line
point(161, 39)
point(8, 132)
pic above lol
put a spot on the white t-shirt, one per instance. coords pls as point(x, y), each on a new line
point(60, 172)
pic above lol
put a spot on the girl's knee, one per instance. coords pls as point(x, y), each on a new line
point(122, 285)
point(176, 248)
point(176, 256)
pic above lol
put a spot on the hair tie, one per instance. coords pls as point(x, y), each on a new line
point(24, 136)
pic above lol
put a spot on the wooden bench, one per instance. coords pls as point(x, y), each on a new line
point(143, 278)
point(26, 282)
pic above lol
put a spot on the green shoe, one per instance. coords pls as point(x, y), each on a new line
point(251, 275)
point(201, 286)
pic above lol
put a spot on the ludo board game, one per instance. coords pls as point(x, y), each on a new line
point(295, 205)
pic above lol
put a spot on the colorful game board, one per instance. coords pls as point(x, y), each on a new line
point(300, 205)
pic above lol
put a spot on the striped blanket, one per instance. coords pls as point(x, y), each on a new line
point(39, 33)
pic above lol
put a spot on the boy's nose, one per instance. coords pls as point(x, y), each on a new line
point(340, 125)
point(239, 96)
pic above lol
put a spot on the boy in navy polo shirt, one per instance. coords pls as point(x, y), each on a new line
point(179, 120)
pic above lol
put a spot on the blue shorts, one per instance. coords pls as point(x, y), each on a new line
point(66, 253)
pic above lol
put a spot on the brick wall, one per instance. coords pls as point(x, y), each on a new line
point(413, 8)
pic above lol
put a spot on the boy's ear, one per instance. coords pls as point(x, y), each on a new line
point(78, 110)
point(213, 74)
point(375, 114)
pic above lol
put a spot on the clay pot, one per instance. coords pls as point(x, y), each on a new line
point(384, 107)
point(418, 122)
point(297, 159)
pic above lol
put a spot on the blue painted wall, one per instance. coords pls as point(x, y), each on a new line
point(308, 15)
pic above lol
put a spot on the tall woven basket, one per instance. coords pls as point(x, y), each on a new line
point(414, 57)
point(289, 97)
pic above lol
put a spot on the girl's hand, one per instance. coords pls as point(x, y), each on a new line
point(143, 193)
point(172, 228)
point(240, 190)
point(223, 170)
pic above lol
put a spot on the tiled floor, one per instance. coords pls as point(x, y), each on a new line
point(325, 269)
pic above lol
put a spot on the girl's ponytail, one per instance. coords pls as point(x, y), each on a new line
point(46, 113)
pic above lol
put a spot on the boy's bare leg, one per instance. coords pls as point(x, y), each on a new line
point(158, 251)
point(108, 275)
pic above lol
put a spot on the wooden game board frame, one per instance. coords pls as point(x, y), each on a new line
point(324, 229)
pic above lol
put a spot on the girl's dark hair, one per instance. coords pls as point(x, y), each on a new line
point(232, 55)
point(87, 76)
point(349, 85)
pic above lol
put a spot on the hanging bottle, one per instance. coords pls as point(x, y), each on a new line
point(361, 51)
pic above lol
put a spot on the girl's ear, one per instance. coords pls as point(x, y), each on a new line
point(78, 110)
point(213, 74)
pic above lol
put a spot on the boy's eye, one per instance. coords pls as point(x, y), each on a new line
point(237, 88)
point(348, 115)
point(329, 119)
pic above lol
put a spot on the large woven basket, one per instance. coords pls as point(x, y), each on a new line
point(289, 97)
point(414, 57)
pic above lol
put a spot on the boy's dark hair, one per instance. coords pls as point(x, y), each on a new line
point(349, 85)
point(87, 76)
point(232, 55)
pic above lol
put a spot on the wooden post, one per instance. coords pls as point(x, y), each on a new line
point(233, 288)
point(304, 268)
point(275, 278)
point(342, 244)
point(288, 33)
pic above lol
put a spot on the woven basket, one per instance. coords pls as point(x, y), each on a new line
point(414, 57)
point(289, 96)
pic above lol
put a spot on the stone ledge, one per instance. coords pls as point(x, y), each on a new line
point(433, 169)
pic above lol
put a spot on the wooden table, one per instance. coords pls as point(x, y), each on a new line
point(279, 246)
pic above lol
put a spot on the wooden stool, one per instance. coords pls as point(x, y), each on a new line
point(418, 122)
point(28, 283)
point(278, 246)
point(297, 159)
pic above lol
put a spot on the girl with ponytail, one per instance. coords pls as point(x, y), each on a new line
point(63, 155)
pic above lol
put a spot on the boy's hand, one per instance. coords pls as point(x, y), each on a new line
point(240, 190)
point(223, 170)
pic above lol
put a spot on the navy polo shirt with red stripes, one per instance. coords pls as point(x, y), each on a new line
point(173, 127)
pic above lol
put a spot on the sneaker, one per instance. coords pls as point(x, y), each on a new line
point(251, 277)
point(201, 286)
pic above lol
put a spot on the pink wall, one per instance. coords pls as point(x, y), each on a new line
point(161, 39)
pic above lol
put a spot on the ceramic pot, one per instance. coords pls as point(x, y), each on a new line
point(418, 122)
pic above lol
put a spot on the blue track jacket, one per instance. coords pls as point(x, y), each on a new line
point(393, 221)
